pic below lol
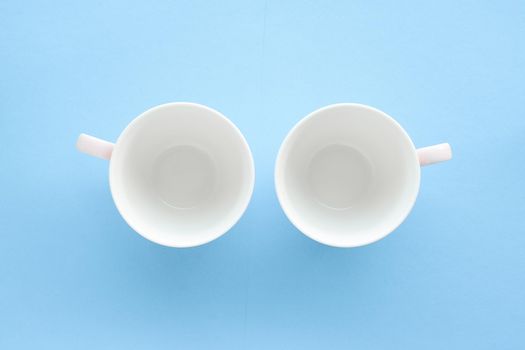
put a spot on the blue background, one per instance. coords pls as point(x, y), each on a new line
point(74, 275)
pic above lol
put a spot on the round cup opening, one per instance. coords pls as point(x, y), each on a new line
point(347, 175)
point(181, 174)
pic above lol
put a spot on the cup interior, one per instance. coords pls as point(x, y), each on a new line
point(347, 175)
point(181, 174)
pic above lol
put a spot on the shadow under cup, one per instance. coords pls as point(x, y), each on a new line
point(347, 175)
point(181, 174)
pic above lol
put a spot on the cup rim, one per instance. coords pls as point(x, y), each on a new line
point(280, 187)
point(117, 200)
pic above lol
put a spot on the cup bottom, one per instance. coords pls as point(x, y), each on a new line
point(339, 176)
point(184, 176)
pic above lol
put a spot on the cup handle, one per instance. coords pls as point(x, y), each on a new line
point(94, 146)
point(434, 154)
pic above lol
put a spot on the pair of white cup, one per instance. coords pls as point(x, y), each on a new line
point(182, 174)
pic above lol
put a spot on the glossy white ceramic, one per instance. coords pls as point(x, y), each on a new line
point(181, 174)
point(348, 174)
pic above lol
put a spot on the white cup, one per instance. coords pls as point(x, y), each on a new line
point(348, 174)
point(181, 174)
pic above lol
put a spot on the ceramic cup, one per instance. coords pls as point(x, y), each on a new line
point(348, 174)
point(181, 174)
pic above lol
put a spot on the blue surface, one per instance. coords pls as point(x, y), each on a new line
point(74, 276)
